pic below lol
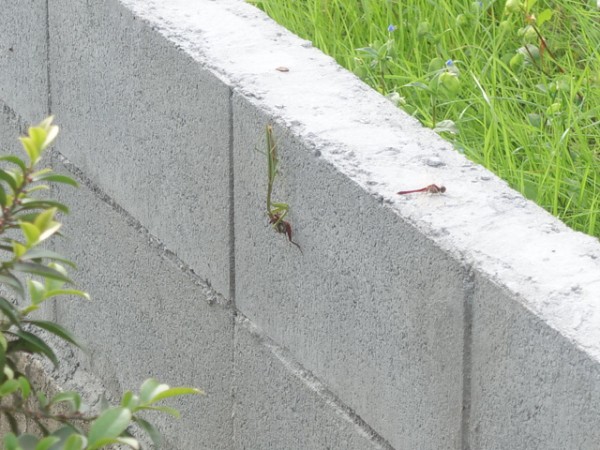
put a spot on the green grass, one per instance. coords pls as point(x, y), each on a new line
point(525, 108)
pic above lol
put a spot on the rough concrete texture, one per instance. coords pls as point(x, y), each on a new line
point(23, 57)
point(147, 318)
point(11, 127)
point(278, 405)
point(531, 388)
point(369, 305)
point(148, 124)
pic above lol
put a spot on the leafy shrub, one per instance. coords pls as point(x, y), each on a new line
point(35, 275)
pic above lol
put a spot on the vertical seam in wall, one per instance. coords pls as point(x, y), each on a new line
point(231, 205)
point(48, 81)
point(54, 307)
point(469, 288)
point(232, 263)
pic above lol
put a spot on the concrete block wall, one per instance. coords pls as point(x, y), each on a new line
point(468, 320)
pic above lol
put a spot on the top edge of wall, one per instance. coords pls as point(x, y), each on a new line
point(554, 270)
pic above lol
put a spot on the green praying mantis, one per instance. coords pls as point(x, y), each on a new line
point(276, 211)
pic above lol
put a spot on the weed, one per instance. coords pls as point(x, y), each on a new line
point(276, 212)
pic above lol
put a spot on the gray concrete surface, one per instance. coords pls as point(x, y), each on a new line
point(23, 57)
point(147, 318)
point(531, 387)
point(279, 405)
point(148, 124)
point(464, 320)
point(11, 127)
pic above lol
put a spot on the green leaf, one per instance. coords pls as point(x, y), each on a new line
point(31, 149)
point(529, 4)
point(41, 270)
point(15, 160)
point(25, 387)
point(51, 134)
point(2, 197)
point(37, 135)
point(10, 311)
point(52, 284)
point(3, 354)
point(3, 347)
point(39, 173)
point(51, 230)
point(11, 442)
point(9, 178)
point(3, 359)
point(544, 16)
point(29, 309)
point(28, 441)
point(64, 433)
point(29, 203)
point(39, 253)
point(151, 431)
point(39, 187)
point(175, 392)
point(72, 398)
point(57, 178)
point(28, 217)
point(130, 441)
point(31, 233)
point(29, 342)
point(76, 292)
point(36, 291)
point(150, 388)
point(530, 189)
point(12, 281)
point(45, 219)
point(166, 409)
point(19, 178)
point(18, 249)
point(75, 442)
point(8, 387)
point(55, 329)
point(130, 401)
point(103, 443)
point(109, 425)
point(47, 442)
point(8, 372)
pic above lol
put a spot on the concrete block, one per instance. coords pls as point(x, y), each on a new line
point(148, 124)
point(370, 306)
point(11, 127)
point(146, 318)
point(531, 386)
point(23, 58)
point(280, 406)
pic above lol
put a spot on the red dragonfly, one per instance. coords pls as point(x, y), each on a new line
point(431, 189)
